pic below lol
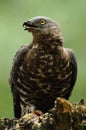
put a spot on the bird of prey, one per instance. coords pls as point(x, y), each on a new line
point(42, 70)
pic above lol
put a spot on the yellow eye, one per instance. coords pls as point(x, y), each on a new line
point(42, 22)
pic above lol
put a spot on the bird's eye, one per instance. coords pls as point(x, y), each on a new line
point(42, 22)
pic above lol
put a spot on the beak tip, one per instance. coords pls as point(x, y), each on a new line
point(24, 24)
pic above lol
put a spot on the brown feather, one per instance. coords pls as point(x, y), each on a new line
point(43, 70)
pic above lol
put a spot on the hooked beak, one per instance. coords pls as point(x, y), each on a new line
point(28, 26)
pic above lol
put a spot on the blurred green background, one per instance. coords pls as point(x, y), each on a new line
point(70, 14)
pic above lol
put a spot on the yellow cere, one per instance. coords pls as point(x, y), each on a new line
point(42, 22)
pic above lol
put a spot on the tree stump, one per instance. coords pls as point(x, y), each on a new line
point(63, 116)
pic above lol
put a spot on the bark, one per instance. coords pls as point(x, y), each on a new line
point(63, 116)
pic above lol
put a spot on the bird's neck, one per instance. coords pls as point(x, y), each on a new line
point(48, 45)
point(50, 37)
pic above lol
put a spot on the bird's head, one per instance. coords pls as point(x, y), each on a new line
point(43, 28)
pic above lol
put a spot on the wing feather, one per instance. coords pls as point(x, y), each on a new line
point(74, 68)
point(17, 63)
